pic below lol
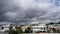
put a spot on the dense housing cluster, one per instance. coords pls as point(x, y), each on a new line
point(31, 28)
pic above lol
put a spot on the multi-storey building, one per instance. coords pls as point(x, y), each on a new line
point(39, 28)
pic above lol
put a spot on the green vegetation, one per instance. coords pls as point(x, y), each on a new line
point(15, 31)
point(28, 30)
point(19, 30)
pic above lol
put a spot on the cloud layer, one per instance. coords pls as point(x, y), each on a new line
point(29, 11)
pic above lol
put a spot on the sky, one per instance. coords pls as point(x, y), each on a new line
point(29, 11)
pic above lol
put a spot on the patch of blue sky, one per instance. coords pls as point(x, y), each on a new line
point(57, 3)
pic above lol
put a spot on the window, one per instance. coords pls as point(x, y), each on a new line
point(34, 28)
point(2, 27)
point(41, 28)
point(44, 28)
point(37, 28)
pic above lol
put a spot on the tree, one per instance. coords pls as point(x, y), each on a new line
point(59, 22)
point(54, 30)
point(18, 30)
point(13, 32)
point(51, 23)
point(28, 30)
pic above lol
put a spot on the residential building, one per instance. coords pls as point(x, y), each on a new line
point(39, 28)
point(24, 27)
point(55, 27)
point(4, 27)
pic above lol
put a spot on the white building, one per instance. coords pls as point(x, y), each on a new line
point(4, 28)
point(39, 28)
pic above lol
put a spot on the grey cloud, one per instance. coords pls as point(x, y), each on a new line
point(14, 11)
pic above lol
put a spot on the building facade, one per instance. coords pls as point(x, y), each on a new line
point(39, 28)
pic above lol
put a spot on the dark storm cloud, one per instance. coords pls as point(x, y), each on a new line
point(26, 11)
